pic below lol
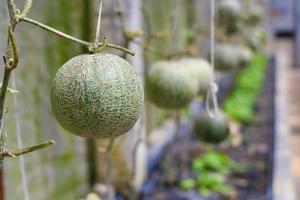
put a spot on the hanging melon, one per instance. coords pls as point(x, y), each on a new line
point(255, 16)
point(169, 85)
point(201, 70)
point(245, 56)
point(226, 57)
point(255, 38)
point(230, 12)
point(97, 95)
point(211, 130)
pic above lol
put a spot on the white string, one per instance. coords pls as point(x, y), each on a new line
point(174, 25)
point(19, 141)
point(212, 33)
point(97, 39)
point(213, 109)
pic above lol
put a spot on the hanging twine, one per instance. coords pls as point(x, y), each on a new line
point(211, 103)
point(20, 141)
point(97, 38)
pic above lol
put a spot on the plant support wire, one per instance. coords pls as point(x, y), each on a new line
point(211, 103)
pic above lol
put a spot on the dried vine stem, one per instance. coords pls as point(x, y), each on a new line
point(19, 152)
point(26, 8)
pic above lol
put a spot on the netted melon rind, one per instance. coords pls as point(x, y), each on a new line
point(246, 55)
point(169, 85)
point(230, 11)
point(226, 57)
point(201, 70)
point(211, 130)
point(97, 95)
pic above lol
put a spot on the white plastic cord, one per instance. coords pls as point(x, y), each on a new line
point(212, 33)
point(19, 141)
point(97, 39)
point(174, 22)
point(211, 98)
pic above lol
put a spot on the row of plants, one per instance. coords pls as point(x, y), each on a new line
point(210, 172)
point(240, 103)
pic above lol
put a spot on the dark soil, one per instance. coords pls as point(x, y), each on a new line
point(255, 151)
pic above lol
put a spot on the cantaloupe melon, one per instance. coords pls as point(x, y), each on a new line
point(170, 85)
point(230, 12)
point(97, 95)
point(245, 56)
point(226, 57)
point(255, 16)
point(201, 70)
point(211, 130)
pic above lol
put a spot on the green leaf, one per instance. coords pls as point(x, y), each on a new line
point(187, 184)
point(224, 189)
point(198, 165)
point(204, 191)
point(239, 105)
point(209, 179)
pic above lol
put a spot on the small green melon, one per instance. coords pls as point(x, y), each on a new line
point(201, 70)
point(255, 16)
point(226, 57)
point(211, 130)
point(230, 12)
point(255, 38)
point(246, 55)
point(97, 95)
point(169, 85)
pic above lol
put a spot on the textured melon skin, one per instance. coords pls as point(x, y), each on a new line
point(201, 70)
point(211, 130)
point(245, 56)
point(226, 57)
point(96, 95)
point(255, 16)
point(230, 12)
point(169, 85)
point(256, 38)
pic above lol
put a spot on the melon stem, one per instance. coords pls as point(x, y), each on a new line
point(71, 38)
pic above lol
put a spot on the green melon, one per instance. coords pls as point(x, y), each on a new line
point(211, 130)
point(255, 38)
point(254, 16)
point(226, 57)
point(230, 12)
point(245, 56)
point(201, 70)
point(169, 85)
point(97, 95)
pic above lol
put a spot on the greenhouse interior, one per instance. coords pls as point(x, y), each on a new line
point(150, 100)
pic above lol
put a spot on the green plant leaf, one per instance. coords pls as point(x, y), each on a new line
point(187, 184)
point(224, 189)
point(198, 165)
point(204, 191)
